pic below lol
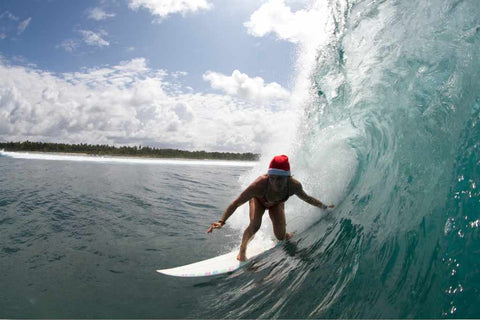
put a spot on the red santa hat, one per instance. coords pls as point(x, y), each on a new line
point(279, 166)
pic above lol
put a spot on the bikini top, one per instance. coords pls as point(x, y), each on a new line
point(267, 203)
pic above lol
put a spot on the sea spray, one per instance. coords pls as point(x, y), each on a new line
point(326, 166)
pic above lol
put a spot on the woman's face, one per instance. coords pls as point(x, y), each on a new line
point(278, 183)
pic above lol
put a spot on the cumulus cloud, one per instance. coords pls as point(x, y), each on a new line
point(309, 28)
point(23, 25)
point(99, 14)
point(163, 8)
point(303, 26)
point(94, 38)
point(128, 103)
point(240, 84)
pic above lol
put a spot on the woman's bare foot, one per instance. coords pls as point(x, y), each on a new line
point(241, 256)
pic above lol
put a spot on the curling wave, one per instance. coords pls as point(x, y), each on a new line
point(387, 130)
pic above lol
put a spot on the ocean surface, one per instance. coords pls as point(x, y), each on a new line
point(388, 105)
point(83, 236)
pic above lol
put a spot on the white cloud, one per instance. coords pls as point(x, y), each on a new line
point(10, 24)
point(309, 28)
point(303, 26)
point(99, 14)
point(163, 8)
point(9, 15)
point(94, 39)
point(68, 45)
point(88, 37)
point(129, 103)
point(23, 25)
point(240, 84)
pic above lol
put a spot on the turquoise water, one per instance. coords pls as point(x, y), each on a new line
point(388, 131)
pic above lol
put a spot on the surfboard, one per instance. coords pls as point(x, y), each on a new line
point(222, 264)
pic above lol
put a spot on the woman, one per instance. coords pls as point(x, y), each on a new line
point(268, 192)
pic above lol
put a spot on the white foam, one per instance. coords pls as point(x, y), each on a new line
point(128, 160)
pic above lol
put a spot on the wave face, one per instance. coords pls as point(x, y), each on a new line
point(391, 118)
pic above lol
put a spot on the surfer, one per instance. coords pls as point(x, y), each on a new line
point(268, 192)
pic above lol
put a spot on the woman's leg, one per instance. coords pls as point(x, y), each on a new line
point(256, 213)
point(277, 215)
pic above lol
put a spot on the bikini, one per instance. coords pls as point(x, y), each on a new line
point(268, 204)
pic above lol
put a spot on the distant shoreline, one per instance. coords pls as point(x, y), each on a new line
point(55, 153)
point(138, 152)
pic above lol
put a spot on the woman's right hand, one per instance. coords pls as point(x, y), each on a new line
point(215, 225)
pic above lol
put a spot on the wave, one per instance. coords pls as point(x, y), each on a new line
point(388, 131)
point(126, 160)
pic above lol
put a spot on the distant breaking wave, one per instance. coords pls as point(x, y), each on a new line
point(131, 160)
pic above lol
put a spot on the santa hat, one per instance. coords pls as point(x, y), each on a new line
point(279, 166)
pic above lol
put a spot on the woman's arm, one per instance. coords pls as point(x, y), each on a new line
point(299, 192)
point(245, 196)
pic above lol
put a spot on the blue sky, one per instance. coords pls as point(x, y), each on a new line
point(191, 74)
point(213, 39)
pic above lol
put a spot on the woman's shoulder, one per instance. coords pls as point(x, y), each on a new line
point(261, 180)
point(295, 183)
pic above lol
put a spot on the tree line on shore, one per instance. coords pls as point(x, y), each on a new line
point(135, 151)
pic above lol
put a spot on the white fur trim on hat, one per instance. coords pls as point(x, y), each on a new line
point(278, 172)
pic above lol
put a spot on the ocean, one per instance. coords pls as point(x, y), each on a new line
point(388, 130)
point(81, 237)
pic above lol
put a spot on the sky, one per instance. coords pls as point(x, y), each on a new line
point(187, 74)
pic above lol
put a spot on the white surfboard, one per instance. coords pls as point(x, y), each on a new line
point(219, 265)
